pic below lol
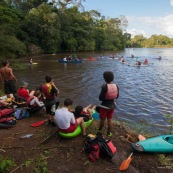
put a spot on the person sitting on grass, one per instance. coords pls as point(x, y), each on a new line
point(86, 112)
point(34, 104)
point(23, 91)
point(65, 119)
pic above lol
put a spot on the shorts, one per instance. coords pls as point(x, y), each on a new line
point(9, 87)
point(106, 113)
point(71, 129)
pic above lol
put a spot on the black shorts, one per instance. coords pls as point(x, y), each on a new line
point(9, 87)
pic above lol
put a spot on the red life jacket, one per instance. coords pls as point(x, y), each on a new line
point(29, 100)
point(112, 92)
point(45, 91)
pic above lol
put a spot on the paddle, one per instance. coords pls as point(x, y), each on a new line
point(50, 136)
point(125, 164)
point(38, 123)
point(141, 137)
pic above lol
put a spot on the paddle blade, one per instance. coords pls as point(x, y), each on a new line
point(38, 123)
point(141, 138)
point(125, 164)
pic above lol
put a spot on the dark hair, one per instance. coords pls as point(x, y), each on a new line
point(5, 62)
point(78, 110)
point(48, 79)
point(37, 93)
point(68, 102)
point(108, 76)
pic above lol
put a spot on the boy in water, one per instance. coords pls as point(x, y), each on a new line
point(109, 92)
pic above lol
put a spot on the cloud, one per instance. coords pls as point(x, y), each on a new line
point(148, 26)
point(134, 32)
point(171, 2)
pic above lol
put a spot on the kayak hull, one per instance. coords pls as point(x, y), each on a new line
point(158, 144)
point(77, 131)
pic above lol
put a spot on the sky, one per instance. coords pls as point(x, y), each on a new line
point(146, 17)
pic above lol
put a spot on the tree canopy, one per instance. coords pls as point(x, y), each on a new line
point(42, 26)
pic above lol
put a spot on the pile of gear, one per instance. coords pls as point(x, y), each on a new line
point(96, 146)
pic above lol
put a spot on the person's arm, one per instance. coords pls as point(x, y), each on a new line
point(1, 78)
point(103, 92)
point(55, 87)
point(12, 75)
point(73, 121)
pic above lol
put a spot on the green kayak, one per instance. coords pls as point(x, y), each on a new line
point(77, 131)
point(158, 144)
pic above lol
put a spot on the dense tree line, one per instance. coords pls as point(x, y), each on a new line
point(42, 26)
point(154, 41)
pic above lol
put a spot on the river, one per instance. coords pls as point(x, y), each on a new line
point(145, 92)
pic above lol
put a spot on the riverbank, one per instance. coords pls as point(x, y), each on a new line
point(65, 155)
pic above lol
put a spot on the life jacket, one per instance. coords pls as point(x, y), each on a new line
point(29, 100)
point(112, 92)
point(6, 112)
point(47, 92)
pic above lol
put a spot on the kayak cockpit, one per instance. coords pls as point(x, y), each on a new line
point(169, 139)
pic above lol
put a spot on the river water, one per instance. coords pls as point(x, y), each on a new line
point(145, 92)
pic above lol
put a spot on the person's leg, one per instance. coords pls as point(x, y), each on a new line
point(86, 108)
point(80, 121)
point(7, 88)
point(102, 122)
point(109, 125)
point(110, 114)
point(103, 113)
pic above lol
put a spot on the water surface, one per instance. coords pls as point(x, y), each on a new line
point(145, 92)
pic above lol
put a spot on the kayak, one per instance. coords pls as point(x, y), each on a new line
point(135, 65)
point(77, 131)
point(90, 59)
point(70, 62)
point(158, 144)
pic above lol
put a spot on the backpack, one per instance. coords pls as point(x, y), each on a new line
point(21, 113)
point(91, 148)
point(97, 147)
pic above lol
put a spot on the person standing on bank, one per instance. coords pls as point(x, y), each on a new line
point(109, 92)
point(8, 79)
point(51, 100)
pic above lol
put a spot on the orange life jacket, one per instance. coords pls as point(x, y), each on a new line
point(112, 92)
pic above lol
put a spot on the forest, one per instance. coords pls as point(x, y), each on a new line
point(40, 26)
point(30, 27)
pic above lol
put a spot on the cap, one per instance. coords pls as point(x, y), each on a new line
point(23, 84)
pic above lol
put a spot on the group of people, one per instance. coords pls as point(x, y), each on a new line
point(70, 58)
point(45, 98)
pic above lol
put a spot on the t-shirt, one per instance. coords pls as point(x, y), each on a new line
point(64, 118)
point(23, 92)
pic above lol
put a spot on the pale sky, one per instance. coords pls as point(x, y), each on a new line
point(146, 17)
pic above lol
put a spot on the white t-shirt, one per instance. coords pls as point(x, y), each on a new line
point(64, 118)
